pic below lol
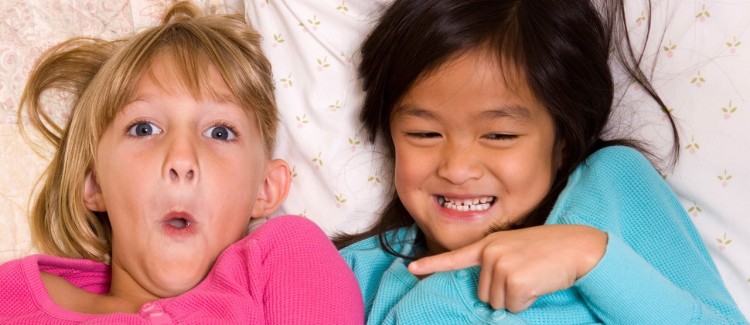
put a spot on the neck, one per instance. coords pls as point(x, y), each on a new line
point(75, 299)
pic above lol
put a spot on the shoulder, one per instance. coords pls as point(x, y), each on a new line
point(14, 264)
point(611, 182)
point(31, 280)
point(289, 237)
point(367, 244)
point(34, 267)
point(400, 239)
point(16, 291)
point(13, 270)
point(299, 268)
point(287, 229)
point(616, 159)
point(283, 245)
point(368, 259)
point(363, 254)
point(287, 224)
point(615, 168)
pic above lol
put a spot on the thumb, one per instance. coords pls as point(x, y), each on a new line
point(461, 258)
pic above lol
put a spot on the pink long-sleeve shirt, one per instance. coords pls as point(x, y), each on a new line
point(285, 272)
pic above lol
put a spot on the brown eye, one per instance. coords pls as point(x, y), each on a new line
point(500, 136)
point(423, 135)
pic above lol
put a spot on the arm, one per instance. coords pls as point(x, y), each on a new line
point(624, 282)
point(307, 280)
point(655, 263)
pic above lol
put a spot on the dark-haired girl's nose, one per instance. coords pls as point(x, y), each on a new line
point(458, 164)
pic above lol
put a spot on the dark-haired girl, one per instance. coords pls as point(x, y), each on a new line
point(514, 206)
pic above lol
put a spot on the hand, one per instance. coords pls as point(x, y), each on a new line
point(520, 265)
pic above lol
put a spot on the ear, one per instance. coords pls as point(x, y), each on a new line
point(273, 190)
point(92, 194)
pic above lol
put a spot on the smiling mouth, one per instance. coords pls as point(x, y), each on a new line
point(475, 204)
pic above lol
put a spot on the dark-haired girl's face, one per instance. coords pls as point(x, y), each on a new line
point(470, 153)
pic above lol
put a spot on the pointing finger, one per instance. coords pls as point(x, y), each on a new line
point(454, 260)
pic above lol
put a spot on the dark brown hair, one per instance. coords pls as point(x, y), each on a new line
point(561, 47)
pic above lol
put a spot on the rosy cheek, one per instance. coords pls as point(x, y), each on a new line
point(406, 176)
point(400, 177)
point(526, 180)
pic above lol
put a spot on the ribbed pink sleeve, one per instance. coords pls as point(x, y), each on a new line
point(308, 282)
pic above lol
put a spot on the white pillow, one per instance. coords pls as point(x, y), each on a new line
point(703, 75)
point(312, 45)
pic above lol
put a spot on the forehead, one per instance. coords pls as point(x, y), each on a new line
point(471, 84)
point(166, 74)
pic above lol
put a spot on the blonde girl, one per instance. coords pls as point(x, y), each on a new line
point(164, 161)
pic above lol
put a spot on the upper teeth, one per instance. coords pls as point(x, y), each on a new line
point(475, 204)
point(178, 223)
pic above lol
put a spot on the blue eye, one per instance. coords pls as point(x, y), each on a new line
point(220, 132)
point(143, 129)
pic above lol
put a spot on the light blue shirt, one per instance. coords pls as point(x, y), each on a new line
point(655, 270)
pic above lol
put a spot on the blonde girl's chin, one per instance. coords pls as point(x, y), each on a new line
point(176, 285)
point(173, 279)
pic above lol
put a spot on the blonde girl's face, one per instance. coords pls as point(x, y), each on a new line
point(470, 153)
point(179, 178)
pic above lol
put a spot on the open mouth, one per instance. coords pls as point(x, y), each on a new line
point(178, 223)
point(474, 204)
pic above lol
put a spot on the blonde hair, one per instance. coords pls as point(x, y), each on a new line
point(102, 76)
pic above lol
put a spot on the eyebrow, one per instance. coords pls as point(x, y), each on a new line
point(516, 112)
point(513, 112)
point(412, 111)
point(132, 101)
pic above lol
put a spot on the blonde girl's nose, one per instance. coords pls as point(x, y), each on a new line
point(181, 161)
point(177, 176)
